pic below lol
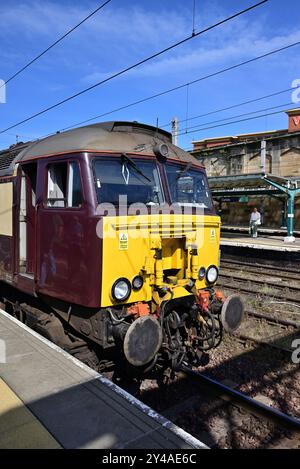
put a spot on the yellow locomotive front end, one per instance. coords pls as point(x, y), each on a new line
point(160, 262)
point(159, 252)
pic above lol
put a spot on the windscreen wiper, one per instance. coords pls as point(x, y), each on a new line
point(184, 170)
point(132, 163)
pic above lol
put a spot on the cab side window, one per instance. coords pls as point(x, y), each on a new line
point(74, 186)
point(64, 185)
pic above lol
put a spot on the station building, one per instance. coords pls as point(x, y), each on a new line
point(234, 166)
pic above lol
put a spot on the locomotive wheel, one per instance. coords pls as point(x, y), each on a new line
point(86, 356)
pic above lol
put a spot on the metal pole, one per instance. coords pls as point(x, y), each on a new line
point(290, 217)
point(283, 212)
point(291, 193)
point(175, 131)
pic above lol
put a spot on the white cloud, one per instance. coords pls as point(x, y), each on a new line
point(242, 48)
point(31, 18)
point(118, 36)
point(111, 35)
point(214, 55)
point(49, 19)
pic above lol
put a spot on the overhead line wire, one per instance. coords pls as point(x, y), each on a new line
point(131, 67)
point(55, 43)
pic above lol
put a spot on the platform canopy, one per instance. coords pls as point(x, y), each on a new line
point(249, 184)
point(244, 185)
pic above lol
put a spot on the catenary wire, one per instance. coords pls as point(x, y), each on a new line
point(131, 67)
point(54, 43)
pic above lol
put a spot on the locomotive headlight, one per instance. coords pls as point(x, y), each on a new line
point(121, 289)
point(212, 274)
point(201, 273)
point(137, 282)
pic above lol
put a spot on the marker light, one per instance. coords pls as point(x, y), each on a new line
point(137, 282)
point(201, 273)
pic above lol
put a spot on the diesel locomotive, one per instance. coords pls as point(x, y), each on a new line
point(109, 247)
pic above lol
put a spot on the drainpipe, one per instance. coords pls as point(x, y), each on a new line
point(263, 149)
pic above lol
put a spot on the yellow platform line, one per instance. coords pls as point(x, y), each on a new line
point(19, 428)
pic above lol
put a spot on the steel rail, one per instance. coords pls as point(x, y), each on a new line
point(261, 282)
point(272, 319)
point(241, 288)
point(272, 414)
point(262, 266)
point(247, 338)
point(252, 269)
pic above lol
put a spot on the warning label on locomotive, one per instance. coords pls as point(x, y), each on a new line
point(213, 236)
point(123, 241)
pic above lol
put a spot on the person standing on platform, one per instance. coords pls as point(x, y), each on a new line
point(255, 221)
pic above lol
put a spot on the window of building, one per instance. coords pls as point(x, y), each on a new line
point(64, 185)
point(236, 166)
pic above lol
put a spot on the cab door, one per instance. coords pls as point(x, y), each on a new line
point(27, 220)
point(63, 237)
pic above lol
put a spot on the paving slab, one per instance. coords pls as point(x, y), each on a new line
point(76, 405)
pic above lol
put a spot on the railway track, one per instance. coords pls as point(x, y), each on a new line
point(254, 340)
point(265, 269)
point(222, 413)
point(268, 341)
point(271, 283)
point(256, 286)
point(246, 402)
point(272, 319)
point(226, 417)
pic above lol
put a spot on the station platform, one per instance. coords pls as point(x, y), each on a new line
point(265, 248)
point(263, 241)
point(49, 399)
point(263, 230)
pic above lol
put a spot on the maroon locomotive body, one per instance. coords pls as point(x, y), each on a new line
point(57, 276)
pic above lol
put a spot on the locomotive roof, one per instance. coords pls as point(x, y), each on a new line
point(120, 137)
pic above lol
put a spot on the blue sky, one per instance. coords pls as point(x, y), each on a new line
point(126, 31)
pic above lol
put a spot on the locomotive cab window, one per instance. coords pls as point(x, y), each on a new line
point(64, 185)
point(136, 181)
point(74, 186)
point(188, 186)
